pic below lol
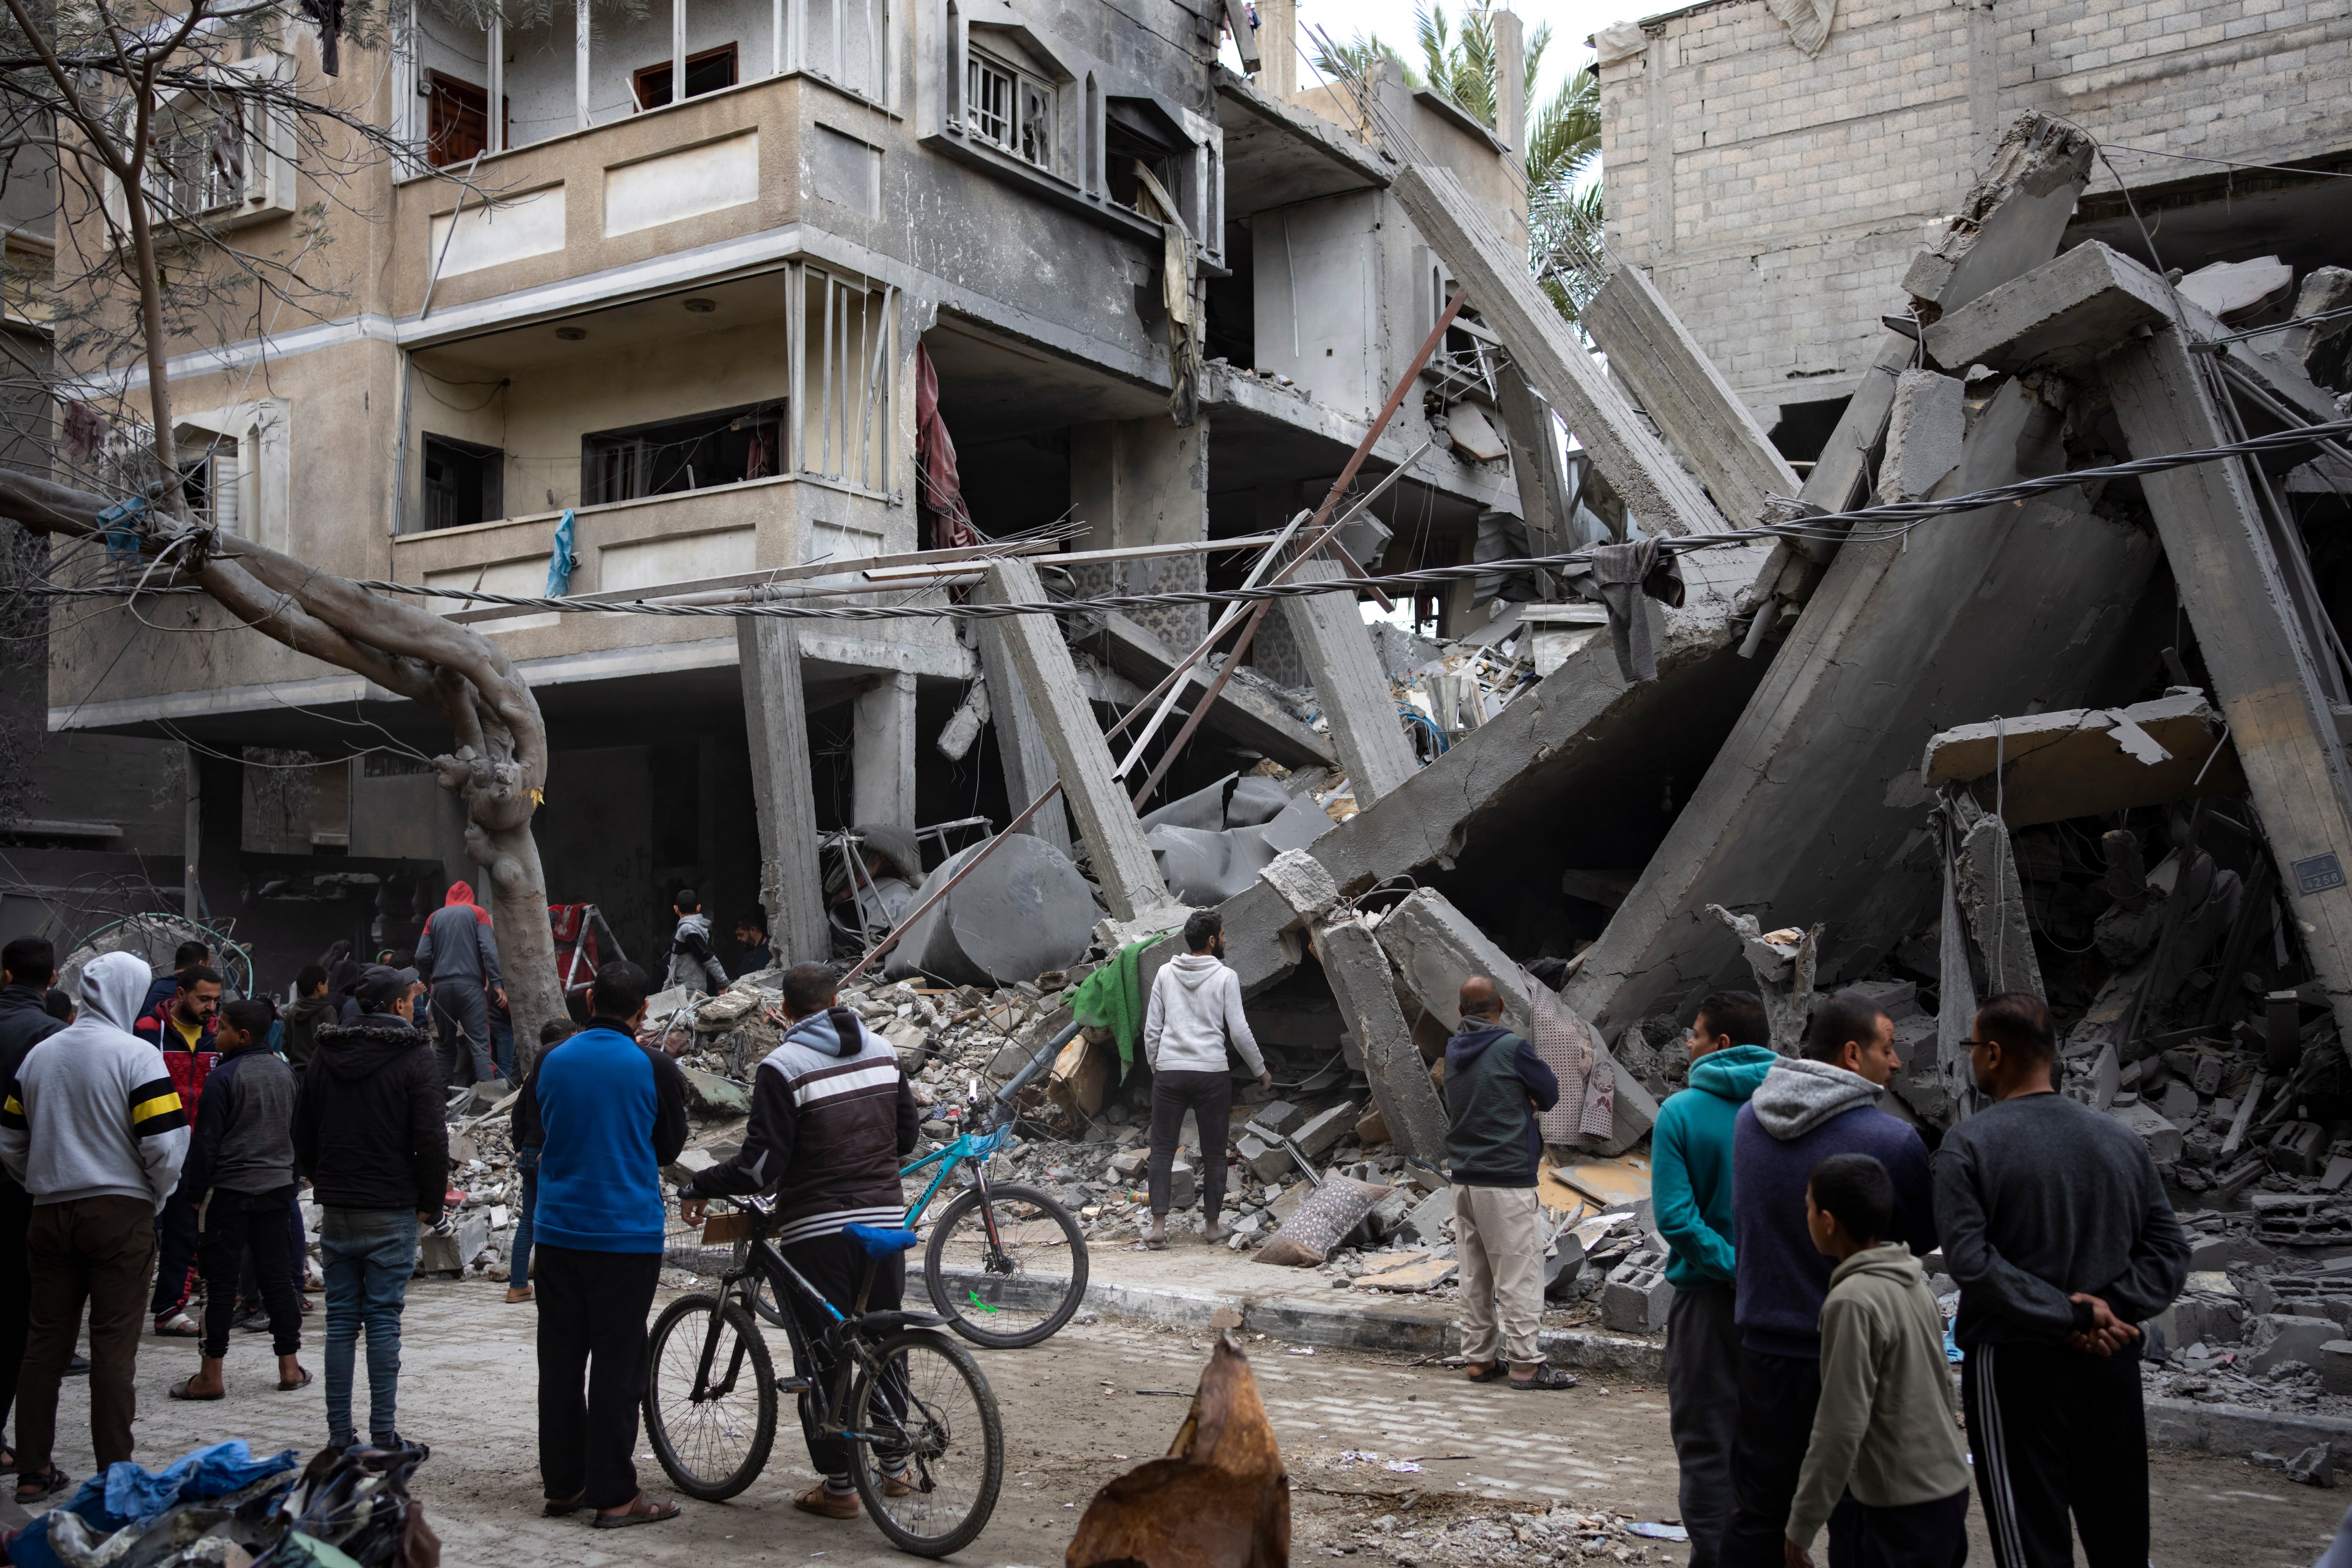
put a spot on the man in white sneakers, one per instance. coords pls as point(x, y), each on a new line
point(1195, 1008)
point(92, 1128)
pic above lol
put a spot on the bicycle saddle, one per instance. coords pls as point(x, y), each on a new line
point(879, 1242)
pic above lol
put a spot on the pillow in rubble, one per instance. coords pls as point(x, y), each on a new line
point(1325, 1219)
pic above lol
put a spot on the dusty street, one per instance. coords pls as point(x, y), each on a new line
point(1073, 1417)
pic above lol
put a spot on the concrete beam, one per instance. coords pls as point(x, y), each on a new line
point(1331, 637)
point(2063, 316)
point(1435, 948)
point(1021, 748)
point(1242, 713)
point(1365, 988)
point(1536, 465)
point(1709, 426)
point(1993, 900)
point(1123, 862)
point(783, 790)
point(882, 751)
point(1661, 493)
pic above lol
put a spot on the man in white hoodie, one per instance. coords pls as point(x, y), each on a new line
point(92, 1128)
point(1196, 1006)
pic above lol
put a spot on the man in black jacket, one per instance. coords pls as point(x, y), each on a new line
point(831, 1117)
point(368, 1129)
point(29, 965)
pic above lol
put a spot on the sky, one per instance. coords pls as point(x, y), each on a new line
point(1572, 21)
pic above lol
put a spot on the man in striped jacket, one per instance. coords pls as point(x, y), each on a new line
point(831, 1117)
point(93, 1129)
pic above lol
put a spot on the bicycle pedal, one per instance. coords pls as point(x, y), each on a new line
point(794, 1384)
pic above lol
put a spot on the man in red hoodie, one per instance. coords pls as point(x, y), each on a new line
point(180, 1027)
point(460, 958)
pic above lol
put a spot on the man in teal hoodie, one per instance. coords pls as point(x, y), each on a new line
point(1690, 1196)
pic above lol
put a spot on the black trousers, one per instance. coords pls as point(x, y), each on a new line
point(1917, 1535)
point(1702, 1412)
point(592, 1332)
point(176, 1245)
point(2057, 1432)
point(836, 1266)
point(16, 1288)
point(232, 1222)
point(1777, 1397)
point(1209, 1095)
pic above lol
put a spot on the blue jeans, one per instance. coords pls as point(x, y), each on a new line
point(526, 1162)
point(502, 1047)
point(369, 1255)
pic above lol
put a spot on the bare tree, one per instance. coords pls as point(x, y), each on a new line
point(156, 120)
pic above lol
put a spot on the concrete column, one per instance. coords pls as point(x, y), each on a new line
point(882, 751)
point(1021, 748)
point(1277, 49)
point(1145, 482)
point(1510, 84)
point(1365, 989)
point(775, 722)
point(1337, 651)
point(1123, 863)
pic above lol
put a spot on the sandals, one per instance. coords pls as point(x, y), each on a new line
point(1546, 1377)
point(286, 1387)
point(8, 1463)
point(642, 1511)
point(563, 1508)
point(178, 1326)
point(828, 1505)
point(1496, 1372)
point(183, 1390)
point(34, 1489)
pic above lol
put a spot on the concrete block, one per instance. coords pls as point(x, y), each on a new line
point(1300, 880)
point(2164, 1140)
point(708, 1094)
point(2336, 1366)
point(2199, 1318)
point(2276, 1337)
point(1389, 1216)
point(1425, 1223)
point(1320, 1132)
point(2221, 1252)
point(1924, 433)
point(2299, 1219)
point(1131, 1164)
point(1183, 1185)
point(1636, 1297)
point(1280, 1115)
point(2178, 1103)
point(1268, 1162)
point(437, 1253)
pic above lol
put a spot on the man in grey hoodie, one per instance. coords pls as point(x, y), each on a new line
point(691, 962)
point(1195, 1007)
point(91, 1128)
point(1806, 1109)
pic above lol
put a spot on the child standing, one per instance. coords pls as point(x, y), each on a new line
point(1885, 1470)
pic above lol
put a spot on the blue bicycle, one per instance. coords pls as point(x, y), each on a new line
point(1006, 1265)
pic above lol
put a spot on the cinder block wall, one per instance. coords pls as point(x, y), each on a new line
point(1776, 199)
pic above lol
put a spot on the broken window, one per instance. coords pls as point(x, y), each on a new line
point(669, 456)
point(208, 480)
point(847, 333)
point(464, 483)
point(705, 72)
point(456, 120)
point(847, 43)
point(1008, 108)
point(1135, 132)
point(197, 164)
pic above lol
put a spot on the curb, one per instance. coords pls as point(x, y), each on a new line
point(2240, 1430)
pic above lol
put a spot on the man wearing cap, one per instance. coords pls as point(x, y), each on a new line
point(368, 1132)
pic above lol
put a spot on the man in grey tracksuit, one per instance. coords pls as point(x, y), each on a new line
point(1195, 1007)
point(460, 957)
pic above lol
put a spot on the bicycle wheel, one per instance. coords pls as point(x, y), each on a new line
point(928, 1453)
point(712, 1441)
point(1016, 1289)
point(762, 1294)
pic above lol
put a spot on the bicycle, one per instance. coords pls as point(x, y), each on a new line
point(910, 1403)
point(993, 1269)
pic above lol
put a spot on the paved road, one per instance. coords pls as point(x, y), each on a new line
point(1492, 1463)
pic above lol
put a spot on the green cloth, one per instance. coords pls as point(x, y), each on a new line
point(1112, 998)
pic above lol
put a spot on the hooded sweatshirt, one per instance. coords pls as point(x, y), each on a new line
point(1494, 1085)
point(458, 944)
point(691, 962)
point(1195, 1007)
point(90, 1113)
point(368, 1127)
point(1690, 1160)
point(1803, 1113)
point(831, 1117)
point(1883, 1429)
point(303, 1021)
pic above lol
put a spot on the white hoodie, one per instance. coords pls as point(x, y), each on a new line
point(1196, 1003)
point(92, 1112)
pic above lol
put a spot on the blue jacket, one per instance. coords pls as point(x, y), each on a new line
point(1690, 1163)
point(613, 1114)
point(1803, 1113)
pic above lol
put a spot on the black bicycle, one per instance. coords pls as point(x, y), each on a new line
point(913, 1408)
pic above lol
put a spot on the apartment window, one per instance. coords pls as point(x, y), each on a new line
point(457, 119)
point(464, 483)
point(209, 482)
point(705, 72)
point(197, 164)
point(724, 447)
point(1135, 132)
point(1008, 108)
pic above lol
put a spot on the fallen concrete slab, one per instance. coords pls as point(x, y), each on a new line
point(2085, 760)
point(1242, 713)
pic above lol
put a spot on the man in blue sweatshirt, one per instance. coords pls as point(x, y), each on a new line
point(1495, 1085)
point(1690, 1192)
point(611, 1114)
point(1806, 1109)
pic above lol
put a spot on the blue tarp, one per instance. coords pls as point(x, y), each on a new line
point(129, 1494)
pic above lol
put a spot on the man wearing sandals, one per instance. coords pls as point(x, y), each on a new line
point(92, 1128)
point(831, 1117)
point(1495, 1085)
point(240, 1177)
